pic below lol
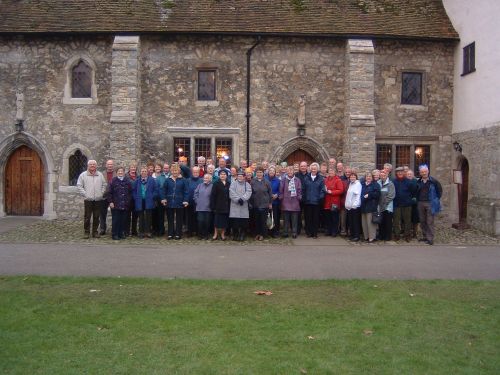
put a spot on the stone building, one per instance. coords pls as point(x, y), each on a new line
point(365, 81)
point(475, 192)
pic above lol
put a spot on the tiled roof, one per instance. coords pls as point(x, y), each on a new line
point(379, 18)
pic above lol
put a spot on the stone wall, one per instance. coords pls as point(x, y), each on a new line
point(282, 70)
point(426, 124)
point(35, 66)
point(481, 149)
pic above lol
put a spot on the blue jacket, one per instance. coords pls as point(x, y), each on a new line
point(193, 183)
point(151, 193)
point(313, 191)
point(370, 204)
point(175, 192)
point(435, 192)
point(275, 188)
point(405, 192)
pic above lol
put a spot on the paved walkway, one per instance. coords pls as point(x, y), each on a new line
point(301, 259)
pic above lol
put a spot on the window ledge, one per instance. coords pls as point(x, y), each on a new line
point(68, 189)
point(468, 72)
point(414, 107)
point(207, 103)
point(80, 101)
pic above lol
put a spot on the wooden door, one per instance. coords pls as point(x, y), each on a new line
point(299, 155)
point(464, 191)
point(24, 183)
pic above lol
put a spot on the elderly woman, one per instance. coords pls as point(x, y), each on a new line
point(219, 202)
point(386, 205)
point(119, 198)
point(175, 196)
point(131, 218)
point(190, 211)
point(370, 194)
point(145, 192)
point(290, 195)
point(313, 192)
point(376, 175)
point(261, 202)
point(201, 198)
point(275, 189)
point(158, 214)
point(334, 190)
point(211, 171)
point(352, 206)
point(239, 193)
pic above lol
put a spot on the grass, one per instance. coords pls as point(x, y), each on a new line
point(144, 326)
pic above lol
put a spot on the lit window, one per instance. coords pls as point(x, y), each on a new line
point(422, 156)
point(182, 147)
point(224, 149)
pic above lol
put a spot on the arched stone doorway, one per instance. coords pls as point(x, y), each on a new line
point(300, 144)
point(299, 155)
point(24, 182)
point(8, 147)
point(462, 192)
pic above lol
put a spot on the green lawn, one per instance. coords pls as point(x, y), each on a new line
point(139, 326)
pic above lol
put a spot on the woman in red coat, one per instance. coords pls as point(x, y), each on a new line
point(334, 190)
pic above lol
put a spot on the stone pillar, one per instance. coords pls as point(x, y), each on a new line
point(359, 146)
point(125, 90)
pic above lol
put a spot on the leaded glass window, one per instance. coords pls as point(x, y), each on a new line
point(182, 147)
point(383, 155)
point(202, 147)
point(81, 81)
point(206, 85)
point(411, 92)
point(77, 164)
point(224, 149)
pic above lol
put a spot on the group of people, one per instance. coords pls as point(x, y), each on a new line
point(217, 202)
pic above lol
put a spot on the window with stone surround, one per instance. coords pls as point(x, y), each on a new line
point(469, 58)
point(182, 147)
point(202, 147)
point(401, 154)
point(224, 149)
point(76, 165)
point(80, 86)
point(411, 88)
point(207, 85)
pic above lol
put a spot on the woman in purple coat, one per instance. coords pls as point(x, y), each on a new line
point(290, 195)
point(119, 198)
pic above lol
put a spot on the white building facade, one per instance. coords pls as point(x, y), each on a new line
point(475, 200)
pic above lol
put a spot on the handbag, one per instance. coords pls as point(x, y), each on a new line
point(334, 208)
point(270, 220)
point(377, 217)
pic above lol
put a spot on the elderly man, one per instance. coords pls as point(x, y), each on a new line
point(110, 173)
point(183, 165)
point(332, 164)
point(405, 190)
point(301, 175)
point(201, 164)
point(92, 186)
point(222, 166)
point(429, 192)
point(190, 211)
point(388, 169)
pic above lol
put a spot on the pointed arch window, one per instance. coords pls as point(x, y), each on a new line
point(81, 81)
point(77, 164)
point(80, 86)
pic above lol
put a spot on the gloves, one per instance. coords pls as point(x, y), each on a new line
point(240, 202)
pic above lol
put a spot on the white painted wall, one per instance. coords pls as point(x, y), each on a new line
point(476, 102)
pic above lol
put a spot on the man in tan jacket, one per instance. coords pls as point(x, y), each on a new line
point(92, 186)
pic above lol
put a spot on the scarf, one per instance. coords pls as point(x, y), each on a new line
point(291, 186)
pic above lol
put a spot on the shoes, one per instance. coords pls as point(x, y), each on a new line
point(223, 238)
point(372, 241)
point(96, 235)
point(177, 238)
point(422, 240)
point(294, 236)
point(429, 242)
point(169, 237)
point(396, 238)
point(355, 239)
point(314, 236)
point(215, 238)
point(140, 235)
point(242, 236)
point(123, 237)
point(102, 232)
point(148, 235)
point(115, 238)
